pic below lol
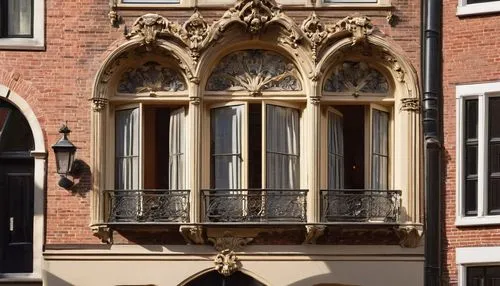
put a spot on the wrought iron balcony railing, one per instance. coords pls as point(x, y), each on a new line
point(254, 205)
point(360, 206)
point(144, 206)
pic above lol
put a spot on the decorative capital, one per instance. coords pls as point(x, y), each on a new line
point(409, 236)
point(195, 100)
point(226, 262)
point(98, 103)
point(103, 232)
point(313, 232)
point(410, 104)
point(315, 100)
point(192, 234)
point(228, 241)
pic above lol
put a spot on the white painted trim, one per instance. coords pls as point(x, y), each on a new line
point(39, 155)
point(477, 255)
point(38, 40)
point(481, 91)
point(464, 9)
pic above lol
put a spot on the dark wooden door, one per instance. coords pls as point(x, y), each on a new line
point(16, 215)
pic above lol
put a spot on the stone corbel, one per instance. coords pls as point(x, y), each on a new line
point(103, 232)
point(192, 234)
point(313, 232)
point(409, 236)
point(99, 104)
point(229, 242)
point(226, 262)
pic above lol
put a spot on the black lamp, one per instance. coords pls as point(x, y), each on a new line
point(65, 156)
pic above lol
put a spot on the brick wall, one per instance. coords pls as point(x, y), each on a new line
point(57, 83)
point(471, 51)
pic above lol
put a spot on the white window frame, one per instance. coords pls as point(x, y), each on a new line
point(464, 9)
point(475, 256)
point(353, 3)
point(155, 3)
point(214, 3)
point(480, 91)
point(37, 42)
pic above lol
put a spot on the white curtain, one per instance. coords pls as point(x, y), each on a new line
point(176, 177)
point(127, 149)
point(282, 150)
point(19, 17)
point(380, 149)
point(226, 149)
point(335, 151)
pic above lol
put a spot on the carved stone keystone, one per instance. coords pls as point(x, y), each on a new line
point(226, 262)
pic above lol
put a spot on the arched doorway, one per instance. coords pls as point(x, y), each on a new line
point(214, 278)
point(16, 191)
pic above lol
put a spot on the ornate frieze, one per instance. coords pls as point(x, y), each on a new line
point(151, 77)
point(226, 262)
point(356, 78)
point(229, 241)
point(254, 71)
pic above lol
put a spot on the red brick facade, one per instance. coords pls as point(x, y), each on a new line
point(57, 83)
point(471, 54)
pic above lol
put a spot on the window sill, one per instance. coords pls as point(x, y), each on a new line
point(19, 279)
point(477, 9)
point(22, 44)
point(477, 221)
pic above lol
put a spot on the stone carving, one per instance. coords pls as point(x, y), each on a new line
point(226, 262)
point(98, 103)
point(151, 77)
point(192, 234)
point(254, 71)
point(255, 16)
point(313, 233)
point(409, 236)
point(103, 232)
point(356, 78)
point(396, 67)
point(229, 241)
point(410, 104)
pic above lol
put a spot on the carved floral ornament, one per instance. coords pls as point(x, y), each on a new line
point(356, 78)
point(255, 16)
point(254, 71)
point(151, 77)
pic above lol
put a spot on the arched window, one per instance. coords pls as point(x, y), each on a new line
point(16, 191)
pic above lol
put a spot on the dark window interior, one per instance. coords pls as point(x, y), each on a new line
point(471, 156)
point(354, 146)
point(483, 276)
point(213, 278)
point(494, 156)
point(479, 1)
point(255, 146)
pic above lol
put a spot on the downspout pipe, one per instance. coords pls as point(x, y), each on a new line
point(432, 95)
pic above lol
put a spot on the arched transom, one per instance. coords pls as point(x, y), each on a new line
point(254, 71)
point(356, 78)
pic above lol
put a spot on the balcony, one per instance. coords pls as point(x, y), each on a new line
point(254, 206)
point(360, 206)
point(148, 206)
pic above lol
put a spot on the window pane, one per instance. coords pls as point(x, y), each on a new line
point(494, 155)
point(226, 147)
point(479, 1)
point(19, 17)
point(380, 149)
point(335, 151)
point(176, 149)
point(471, 157)
point(15, 135)
point(282, 150)
point(127, 149)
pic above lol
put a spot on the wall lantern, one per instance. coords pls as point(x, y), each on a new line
point(65, 155)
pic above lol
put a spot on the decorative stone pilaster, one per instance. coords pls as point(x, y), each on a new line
point(312, 133)
point(194, 121)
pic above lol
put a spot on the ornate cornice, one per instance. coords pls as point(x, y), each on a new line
point(255, 16)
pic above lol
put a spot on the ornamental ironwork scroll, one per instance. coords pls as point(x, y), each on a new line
point(356, 78)
point(151, 77)
point(254, 71)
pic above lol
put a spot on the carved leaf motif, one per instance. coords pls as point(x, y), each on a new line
point(151, 77)
point(356, 78)
point(254, 71)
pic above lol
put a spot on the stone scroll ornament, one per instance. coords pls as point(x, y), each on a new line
point(356, 78)
point(151, 77)
point(255, 16)
point(254, 71)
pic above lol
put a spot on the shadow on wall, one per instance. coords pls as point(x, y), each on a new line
point(319, 281)
point(83, 178)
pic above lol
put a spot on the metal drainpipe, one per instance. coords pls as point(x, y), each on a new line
point(432, 94)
